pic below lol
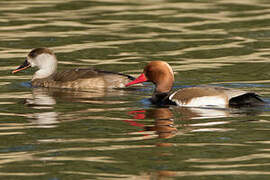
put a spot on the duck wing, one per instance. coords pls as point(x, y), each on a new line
point(80, 73)
point(214, 96)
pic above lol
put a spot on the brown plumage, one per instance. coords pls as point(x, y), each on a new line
point(79, 79)
point(161, 74)
point(83, 79)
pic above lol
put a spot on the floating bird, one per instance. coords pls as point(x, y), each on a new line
point(79, 78)
point(161, 74)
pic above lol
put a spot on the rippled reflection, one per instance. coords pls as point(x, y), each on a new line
point(45, 99)
point(60, 134)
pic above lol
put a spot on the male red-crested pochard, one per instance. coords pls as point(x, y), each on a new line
point(78, 79)
point(161, 74)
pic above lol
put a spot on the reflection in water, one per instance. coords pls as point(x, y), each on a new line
point(61, 134)
point(42, 100)
point(201, 113)
point(165, 118)
point(46, 119)
point(163, 121)
point(45, 99)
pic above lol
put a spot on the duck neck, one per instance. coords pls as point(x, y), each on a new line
point(159, 98)
point(47, 65)
point(164, 87)
point(161, 93)
point(43, 73)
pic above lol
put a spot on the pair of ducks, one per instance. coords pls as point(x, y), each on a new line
point(158, 72)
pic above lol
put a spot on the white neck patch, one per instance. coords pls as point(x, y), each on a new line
point(46, 63)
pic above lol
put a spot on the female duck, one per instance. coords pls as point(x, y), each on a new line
point(161, 74)
point(78, 79)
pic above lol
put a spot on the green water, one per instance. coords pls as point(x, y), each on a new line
point(117, 134)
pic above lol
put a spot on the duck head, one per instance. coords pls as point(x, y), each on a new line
point(44, 59)
point(158, 72)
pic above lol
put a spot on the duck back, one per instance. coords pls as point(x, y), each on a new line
point(84, 79)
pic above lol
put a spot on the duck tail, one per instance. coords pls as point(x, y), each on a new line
point(246, 100)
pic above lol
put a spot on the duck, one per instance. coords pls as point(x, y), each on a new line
point(161, 74)
point(79, 78)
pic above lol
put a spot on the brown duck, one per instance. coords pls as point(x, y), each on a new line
point(79, 79)
point(161, 74)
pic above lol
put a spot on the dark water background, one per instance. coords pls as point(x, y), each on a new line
point(117, 134)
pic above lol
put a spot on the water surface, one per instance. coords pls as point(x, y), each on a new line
point(57, 134)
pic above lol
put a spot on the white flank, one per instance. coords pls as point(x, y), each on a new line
point(206, 101)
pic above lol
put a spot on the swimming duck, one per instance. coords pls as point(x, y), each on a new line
point(78, 79)
point(161, 74)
